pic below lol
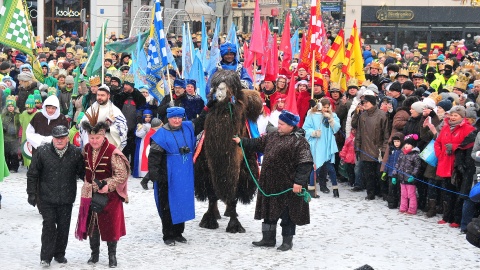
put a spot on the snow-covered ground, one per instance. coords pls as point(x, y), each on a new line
point(344, 233)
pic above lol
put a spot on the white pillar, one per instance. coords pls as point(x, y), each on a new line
point(41, 20)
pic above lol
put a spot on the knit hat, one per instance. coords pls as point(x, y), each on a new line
point(175, 112)
point(408, 85)
point(470, 112)
point(156, 122)
point(418, 106)
point(396, 86)
point(4, 65)
point(446, 104)
point(20, 57)
point(430, 103)
point(373, 88)
point(371, 99)
point(30, 103)
point(37, 97)
point(51, 91)
point(411, 139)
point(460, 110)
point(11, 100)
point(7, 92)
point(289, 118)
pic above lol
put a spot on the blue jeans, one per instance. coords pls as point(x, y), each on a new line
point(358, 175)
point(468, 212)
point(327, 168)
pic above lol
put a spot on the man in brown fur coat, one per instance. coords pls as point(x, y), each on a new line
point(287, 163)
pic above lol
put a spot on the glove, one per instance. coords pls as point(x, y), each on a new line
point(384, 176)
point(327, 115)
point(448, 147)
point(394, 181)
point(410, 179)
point(32, 199)
point(211, 103)
point(312, 103)
point(316, 133)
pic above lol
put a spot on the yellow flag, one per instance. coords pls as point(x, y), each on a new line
point(353, 63)
point(334, 61)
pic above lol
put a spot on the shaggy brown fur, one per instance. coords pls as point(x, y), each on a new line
point(220, 171)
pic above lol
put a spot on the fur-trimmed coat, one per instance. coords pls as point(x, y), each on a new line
point(287, 160)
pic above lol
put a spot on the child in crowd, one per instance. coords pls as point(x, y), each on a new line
point(347, 155)
point(25, 118)
point(11, 127)
point(141, 147)
point(406, 169)
point(74, 132)
point(394, 149)
point(156, 125)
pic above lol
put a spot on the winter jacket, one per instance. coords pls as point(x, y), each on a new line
point(412, 126)
point(54, 179)
point(324, 147)
point(348, 151)
point(455, 137)
point(178, 101)
point(394, 154)
point(128, 103)
point(464, 165)
point(23, 94)
point(372, 136)
point(407, 165)
point(65, 98)
point(399, 121)
point(11, 125)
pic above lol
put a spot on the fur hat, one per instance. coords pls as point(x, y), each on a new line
point(418, 106)
point(192, 82)
point(430, 103)
point(69, 79)
point(460, 110)
point(371, 99)
point(289, 118)
point(446, 104)
point(93, 126)
point(179, 83)
point(470, 112)
point(25, 76)
point(175, 112)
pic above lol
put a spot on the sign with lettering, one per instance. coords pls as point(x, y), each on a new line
point(66, 13)
point(385, 14)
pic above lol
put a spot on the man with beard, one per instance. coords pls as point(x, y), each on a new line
point(91, 96)
point(128, 102)
point(179, 99)
point(66, 94)
point(375, 75)
point(110, 114)
point(115, 87)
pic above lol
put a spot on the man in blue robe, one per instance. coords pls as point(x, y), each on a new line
point(228, 52)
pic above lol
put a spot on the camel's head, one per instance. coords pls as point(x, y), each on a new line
point(225, 84)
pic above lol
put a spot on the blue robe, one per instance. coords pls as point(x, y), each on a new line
point(179, 170)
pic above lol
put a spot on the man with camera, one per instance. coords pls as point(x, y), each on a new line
point(52, 182)
point(104, 190)
point(170, 165)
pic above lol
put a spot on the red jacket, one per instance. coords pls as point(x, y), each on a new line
point(455, 137)
point(348, 151)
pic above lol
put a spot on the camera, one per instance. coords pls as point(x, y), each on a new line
point(184, 150)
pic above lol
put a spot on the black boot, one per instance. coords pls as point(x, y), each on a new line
point(287, 243)
point(112, 252)
point(432, 208)
point(144, 183)
point(335, 193)
point(269, 232)
point(94, 246)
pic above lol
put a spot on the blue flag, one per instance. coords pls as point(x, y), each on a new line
point(157, 53)
point(187, 51)
point(198, 75)
point(232, 38)
point(294, 42)
point(214, 50)
point(139, 64)
point(204, 47)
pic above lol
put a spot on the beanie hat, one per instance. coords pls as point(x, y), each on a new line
point(446, 104)
point(30, 103)
point(69, 79)
point(373, 88)
point(418, 106)
point(289, 118)
point(156, 122)
point(396, 86)
point(471, 113)
point(371, 99)
point(4, 65)
point(408, 85)
point(7, 92)
point(20, 57)
point(11, 100)
point(411, 139)
point(37, 96)
point(430, 103)
point(175, 112)
point(460, 110)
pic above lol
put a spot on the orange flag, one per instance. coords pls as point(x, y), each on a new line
point(353, 63)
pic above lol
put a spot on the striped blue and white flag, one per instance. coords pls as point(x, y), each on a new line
point(157, 53)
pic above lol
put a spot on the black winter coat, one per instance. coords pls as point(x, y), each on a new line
point(54, 179)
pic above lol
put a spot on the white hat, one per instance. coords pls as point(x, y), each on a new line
point(104, 87)
point(368, 92)
point(429, 103)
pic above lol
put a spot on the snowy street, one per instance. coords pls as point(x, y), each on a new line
point(344, 233)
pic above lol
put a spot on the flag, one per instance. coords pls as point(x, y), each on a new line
point(291, 100)
point(285, 45)
point(96, 62)
point(17, 32)
point(187, 50)
point(157, 53)
point(139, 64)
point(314, 41)
point(268, 46)
point(295, 43)
point(129, 44)
point(353, 63)
point(248, 59)
point(76, 75)
point(271, 66)
point(232, 38)
point(256, 41)
point(204, 44)
point(89, 45)
point(214, 57)
point(334, 60)
point(198, 75)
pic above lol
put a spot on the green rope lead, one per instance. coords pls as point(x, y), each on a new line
point(306, 196)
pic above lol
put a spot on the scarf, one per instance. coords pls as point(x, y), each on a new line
point(453, 124)
point(59, 152)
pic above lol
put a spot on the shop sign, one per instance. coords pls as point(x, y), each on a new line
point(385, 14)
point(66, 13)
point(331, 6)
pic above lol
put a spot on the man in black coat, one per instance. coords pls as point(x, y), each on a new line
point(52, 183)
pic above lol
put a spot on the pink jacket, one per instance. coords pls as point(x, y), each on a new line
point(348, 151)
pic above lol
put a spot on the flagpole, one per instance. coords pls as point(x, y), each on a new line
point(254, 79)
point(313, 74)
point(88, 62)
point(103, 52)
point(169, 87)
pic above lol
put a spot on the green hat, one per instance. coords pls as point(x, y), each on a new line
point(37, 96)
point(30, 103)
point(80, 116)
point(52, 91)
point(11, 100)
point(7, 92)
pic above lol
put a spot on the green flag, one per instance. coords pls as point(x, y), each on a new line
point(96, 62)
point(16, 32)
point(4, 172)
point(128, 45)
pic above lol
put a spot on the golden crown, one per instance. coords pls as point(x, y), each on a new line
point(441, 66)
point(335, 85)
point(366, 83)
point(3, 55)
point(352, 82)
point(392, 54)
point(469, 67)
point(70, 50)
point(432, 64)
point(413, 68)
point(403, 72)
point(50, 38)
point(95, 80)
point(376, 65)
point(432, 56)
point(417, 54)
point(449, 62)
point(61, 59)
point(83, 60)
point(462, 81)
point(108, 55)
point(11, 100)
point(129, 78)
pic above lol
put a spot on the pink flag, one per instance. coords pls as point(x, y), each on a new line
point(256, 42)
point(248, 59)
point(291, 102)
point(285, 45)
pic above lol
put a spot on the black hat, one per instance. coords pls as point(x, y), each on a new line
point(408, 85)
point(5, 65)
point(411, 139)
point(59, 131)
point(371, 99)
point(396, 86)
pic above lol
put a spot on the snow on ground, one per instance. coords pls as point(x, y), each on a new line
point(344, 233)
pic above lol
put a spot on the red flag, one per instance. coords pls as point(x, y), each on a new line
point(285, 45)
point(271, 65)
point(256, 42)
point(291, 102)
point(267, 47)
point(248, 59)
